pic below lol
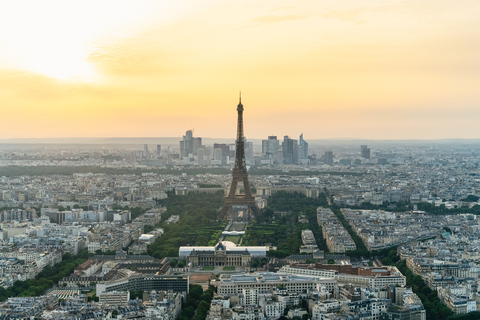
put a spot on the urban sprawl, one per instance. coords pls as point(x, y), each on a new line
point(82, 229)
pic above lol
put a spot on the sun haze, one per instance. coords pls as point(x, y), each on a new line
point(330, 69)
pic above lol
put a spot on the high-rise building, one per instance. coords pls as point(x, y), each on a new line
point(328, 157)
point(232, 147)
point(208, 152)
point(248, 150)
point(224, 147)
point(196, 144)
point(365, 151)
point(145, 149)
point(290, 150)
point(159, 149)
point(201, 157)
point(217, 154)
point(302, 148)
point(225, 160)
point(189, 144)
point(270, 149)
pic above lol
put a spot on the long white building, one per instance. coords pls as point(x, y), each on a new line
point(266, 282)
point(255, 251)
point(392, 276)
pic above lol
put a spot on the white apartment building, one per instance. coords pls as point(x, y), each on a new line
point(396, 277)
point(267, 282)
point(247, 313)
point(115, 298)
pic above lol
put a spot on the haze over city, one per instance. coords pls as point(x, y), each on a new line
point(240, 160)
point(335, 69)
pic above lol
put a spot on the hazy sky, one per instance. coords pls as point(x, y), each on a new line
point(330, 69)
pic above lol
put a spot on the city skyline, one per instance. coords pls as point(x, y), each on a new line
point(396, 70)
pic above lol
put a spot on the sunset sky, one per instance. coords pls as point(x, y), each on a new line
point(330, 69)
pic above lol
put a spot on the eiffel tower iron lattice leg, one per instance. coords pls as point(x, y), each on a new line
point(239, 175)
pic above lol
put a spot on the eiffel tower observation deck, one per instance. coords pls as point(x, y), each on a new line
point(235, 201)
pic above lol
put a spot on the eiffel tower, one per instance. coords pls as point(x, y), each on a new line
point(239, 174)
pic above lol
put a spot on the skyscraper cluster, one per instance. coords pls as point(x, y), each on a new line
point(291, 151)
point(270, 150)
point(189, 144)
point(274, 151)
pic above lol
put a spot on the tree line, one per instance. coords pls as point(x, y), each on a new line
point(197, 303)
point(434, 308)
point(285, 231)
point(198, 223)
point(261, 171)
point(16, 171)
point(49, 276)
point(278, 223)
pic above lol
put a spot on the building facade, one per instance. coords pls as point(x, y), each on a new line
point(220, 257)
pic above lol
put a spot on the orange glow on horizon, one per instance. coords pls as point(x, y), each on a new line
point(402, 70)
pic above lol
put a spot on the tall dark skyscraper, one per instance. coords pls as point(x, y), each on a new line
point(365, 151)
point(290, 150)
point(328, 157)
point(302, 148)
point(270, 150)
point(225, 148)
point(239, 175)
point(189, 144)
point(248, 150)
point(159, 149)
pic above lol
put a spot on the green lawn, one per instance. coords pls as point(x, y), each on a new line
point(234, 239)
point(208, 268)
point(229, 268)
point(238, 226)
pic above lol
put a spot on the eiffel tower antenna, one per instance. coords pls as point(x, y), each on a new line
point(239, 174)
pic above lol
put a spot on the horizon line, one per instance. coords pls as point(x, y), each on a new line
point(180, 137)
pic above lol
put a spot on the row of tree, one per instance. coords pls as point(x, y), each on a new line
point(400, 206)
point(198, 222)
point(294, 202)
point(442, 209)
point(434, 308)
point(136, 211)
point(428, 207)
point(197, 303)
point(179, 264)
point(361, 251)
point(14, 171)
point(49, 276)
point(260, 171)
point(280, 229)
point(475, 315)
point(278, 223)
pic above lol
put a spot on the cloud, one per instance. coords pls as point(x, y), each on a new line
point(350, 15)
point(282, 8)
point(143, 55)
point(270, 19)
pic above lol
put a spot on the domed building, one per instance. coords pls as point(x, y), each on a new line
point(225, 253)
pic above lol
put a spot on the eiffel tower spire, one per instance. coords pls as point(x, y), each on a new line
point(239, 174)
